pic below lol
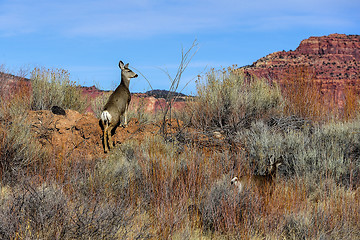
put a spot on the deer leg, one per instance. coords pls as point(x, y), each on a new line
point(125, 115)
point(110, 141)
point(105, 139)
point(125, 118)
point(122, 120)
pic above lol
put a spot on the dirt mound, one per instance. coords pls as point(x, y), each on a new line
point(78, 135)
point(71, 134)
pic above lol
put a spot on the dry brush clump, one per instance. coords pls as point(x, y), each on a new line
point(351, 105)
point(165, 184)
point(142, 175)
point(156, 188)
point(303, 94)
point(326, 213)
point(47, 211)
point(98, 103)
point(138, 110)
point(119, 174)
point(311, 148)
point(227, 100)
point(53, 87)
point(19, 153)
point(226, 210)
point(329, 150)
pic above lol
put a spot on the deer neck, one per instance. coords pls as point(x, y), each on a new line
point(125, 81)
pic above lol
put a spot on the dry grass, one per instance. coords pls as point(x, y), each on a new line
point(99, 102)
point(19, 154)
point(303, 95)
point(351, 104)
point(180, 189)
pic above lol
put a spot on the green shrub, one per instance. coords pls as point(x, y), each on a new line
point(330, 150)
point(53, 87)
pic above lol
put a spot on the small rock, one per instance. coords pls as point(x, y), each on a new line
point(58, 110)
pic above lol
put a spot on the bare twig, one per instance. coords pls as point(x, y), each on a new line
point(143, 77)
point(186, 57)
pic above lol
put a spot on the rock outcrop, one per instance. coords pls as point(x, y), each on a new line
point(332, 61)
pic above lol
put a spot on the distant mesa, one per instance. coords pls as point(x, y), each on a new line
point(332, 61)
point(163, 93)
point(94, 92)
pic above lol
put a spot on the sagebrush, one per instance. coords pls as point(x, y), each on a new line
point(179, 187)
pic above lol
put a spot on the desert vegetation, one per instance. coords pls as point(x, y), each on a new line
point(174, 182)
point(53, 87)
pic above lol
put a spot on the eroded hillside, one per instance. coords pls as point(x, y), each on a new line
point(332, 61)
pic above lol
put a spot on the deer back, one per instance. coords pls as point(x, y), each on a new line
point(118, 100)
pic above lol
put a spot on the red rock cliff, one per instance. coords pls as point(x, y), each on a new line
point(333, 61)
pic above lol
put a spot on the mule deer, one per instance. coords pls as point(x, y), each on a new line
point(264, 184)
point(115, 110)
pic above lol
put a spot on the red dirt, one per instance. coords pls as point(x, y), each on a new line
point(76, 134)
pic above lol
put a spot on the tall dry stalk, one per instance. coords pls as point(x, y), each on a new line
point(350, 109)
point(303, 94)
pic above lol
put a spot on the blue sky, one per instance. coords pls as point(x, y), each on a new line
point(88, 38)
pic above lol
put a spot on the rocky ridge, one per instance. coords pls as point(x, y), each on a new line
point(333, 61)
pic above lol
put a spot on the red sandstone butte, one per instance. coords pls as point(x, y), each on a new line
point(333, 62)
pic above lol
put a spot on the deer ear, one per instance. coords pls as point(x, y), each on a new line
point(121, 65)
point(127, 65)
